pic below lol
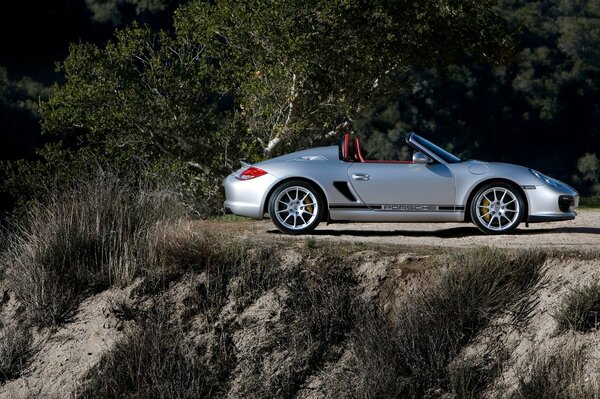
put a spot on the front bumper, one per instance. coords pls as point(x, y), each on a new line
point(550, 204)
point(247, 197)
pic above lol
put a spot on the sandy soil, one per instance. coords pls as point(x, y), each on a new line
point(583, 233)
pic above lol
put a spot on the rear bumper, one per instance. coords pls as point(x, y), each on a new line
point(247, 197)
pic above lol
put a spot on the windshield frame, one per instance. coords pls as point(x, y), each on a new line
point(432, 150)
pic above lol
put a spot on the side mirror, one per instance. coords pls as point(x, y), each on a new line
point(420, 158)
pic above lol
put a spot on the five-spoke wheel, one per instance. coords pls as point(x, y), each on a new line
point(497, 208)
point(296, 207)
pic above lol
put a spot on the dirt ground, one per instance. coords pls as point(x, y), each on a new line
point(583, 233)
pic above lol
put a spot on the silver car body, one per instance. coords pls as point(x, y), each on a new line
point(438, 191)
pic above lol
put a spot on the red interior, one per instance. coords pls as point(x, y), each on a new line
point(358, 155)
point(346, 147)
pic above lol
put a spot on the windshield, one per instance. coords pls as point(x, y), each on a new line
point(434, 149)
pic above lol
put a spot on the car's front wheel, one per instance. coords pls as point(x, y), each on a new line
point(497, 208)
point(296, 207)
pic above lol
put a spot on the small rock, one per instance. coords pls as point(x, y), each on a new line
point(89, 353)
point(106, 325)
point(119, 325)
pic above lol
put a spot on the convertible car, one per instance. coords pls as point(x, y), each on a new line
point(338, 184)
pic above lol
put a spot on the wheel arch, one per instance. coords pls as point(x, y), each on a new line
point(304, 179)
point(496, 180)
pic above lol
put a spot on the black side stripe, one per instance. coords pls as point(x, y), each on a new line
point(348, 206)
point(400, 208)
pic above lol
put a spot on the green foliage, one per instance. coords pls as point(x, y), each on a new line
point(239, 79)
point(298, 69)
point(144, 106)
point(588, 177)
point(19, 116)
point(113, 10)
point(144, 96)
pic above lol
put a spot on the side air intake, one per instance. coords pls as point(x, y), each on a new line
point(343, 188)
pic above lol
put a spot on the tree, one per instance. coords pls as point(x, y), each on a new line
point(299, 69)
point(242, 78)
point(144, 104)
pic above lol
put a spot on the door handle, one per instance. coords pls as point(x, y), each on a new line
point(361, 176)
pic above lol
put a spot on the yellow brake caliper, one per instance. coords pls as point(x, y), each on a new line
point(309, 208)
point(486, 204)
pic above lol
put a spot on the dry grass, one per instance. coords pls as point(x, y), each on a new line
point(157, 345)
point(580, 309)
point(560, 375)
point(101, 234)
point(16, 349)
point(413, 355)
point(96, 234)
point(153, 361)
point(319, 315)
point(409, 355)
point(469, 377)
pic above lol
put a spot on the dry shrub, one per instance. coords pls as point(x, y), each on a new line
point(153, 361)
point(155, 354)
point(409, 356)
point(16, 349)
point(254, 266)
point(580, 309)
point(95, 234)
point(556, 376)
point(318, 318)
point(470, 376)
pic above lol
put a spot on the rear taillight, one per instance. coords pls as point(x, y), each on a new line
point(251, 173)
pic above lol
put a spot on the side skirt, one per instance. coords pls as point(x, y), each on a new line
point(366, 214)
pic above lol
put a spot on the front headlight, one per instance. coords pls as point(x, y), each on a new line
point(545, 179)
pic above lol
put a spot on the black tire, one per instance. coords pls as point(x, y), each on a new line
point(296, 207)
point(497, 208)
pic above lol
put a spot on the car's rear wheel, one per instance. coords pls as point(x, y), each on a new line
point(497, 208)
point(296, 207)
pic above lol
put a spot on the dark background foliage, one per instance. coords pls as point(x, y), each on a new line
point(536, 105)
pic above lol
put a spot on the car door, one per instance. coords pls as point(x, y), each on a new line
point(404, 186)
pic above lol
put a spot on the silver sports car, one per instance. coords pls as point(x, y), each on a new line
point(338, 184)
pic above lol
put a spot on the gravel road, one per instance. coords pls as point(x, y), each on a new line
point(581, 233)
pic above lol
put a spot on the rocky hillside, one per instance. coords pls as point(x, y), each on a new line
point(309, 319)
